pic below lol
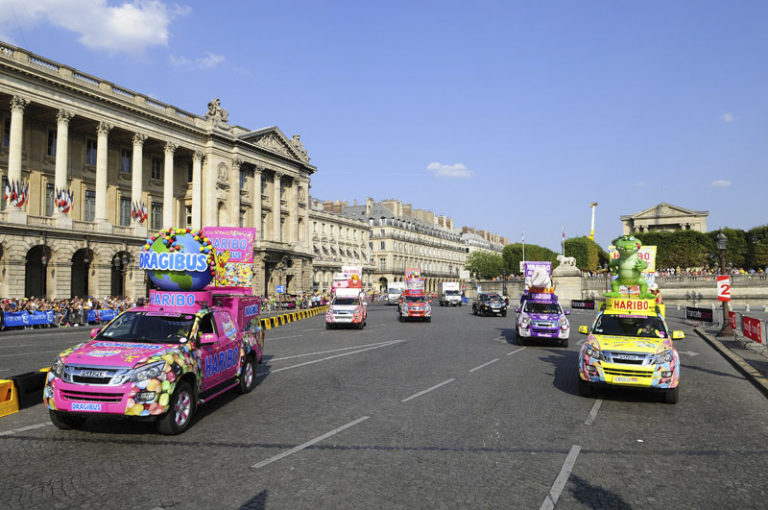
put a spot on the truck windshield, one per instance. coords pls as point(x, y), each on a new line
point(346, 301)
point(393, 290)
point(624, 325)
point(541, 307)
point(414, 299)
point(149, 327)
point(451, 292)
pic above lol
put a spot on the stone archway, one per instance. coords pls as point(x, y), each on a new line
point(36, 271)
point(120, 262)
point(383, 284)
point(79, 275)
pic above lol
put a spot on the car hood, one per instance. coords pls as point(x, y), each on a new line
point(114, 354)
point(630, 344)
point(348, 308)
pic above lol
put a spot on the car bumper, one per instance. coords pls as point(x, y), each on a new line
point(662, 376)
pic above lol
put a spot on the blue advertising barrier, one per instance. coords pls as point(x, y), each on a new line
point(101, 315)
point(21, 319)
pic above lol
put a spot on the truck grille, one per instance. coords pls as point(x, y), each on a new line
point(627, 373)
point(91, 375)
point(88, 396)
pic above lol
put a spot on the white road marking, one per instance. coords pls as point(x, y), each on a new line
point(484, 365)
point(593, 413)
point(308, 443)
point(689, 353)
point(515, 351)
point(284, 337)
point(328, 358)
point(427, 390)
point(557, 488)
point(334, 350)
point(22, 429)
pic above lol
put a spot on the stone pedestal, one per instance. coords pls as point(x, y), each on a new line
point(567, 281)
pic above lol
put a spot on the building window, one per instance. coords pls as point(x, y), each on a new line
point(383, 246)
point(2, 202)
point(190, 173)
point(242, 217)
point(90, 152)
point(242, 179)
point(263, 186)
point(382, 231)
point(90, 205)
point(282, 229)
point(6, 135)
point(188, 215)
point(383, 264)
point(157, 169)
point(125, 211)
point(157, 216)
point(125, 161)
point(51, 142)
point(314, 227)
point(49, 199)
point(370, 245)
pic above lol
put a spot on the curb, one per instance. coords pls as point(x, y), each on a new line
point(755, 377)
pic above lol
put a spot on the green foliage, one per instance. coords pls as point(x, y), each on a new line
point(513, 254)
point(757, 253)
point(588, 254)
point(681, 248)
point(483, 264)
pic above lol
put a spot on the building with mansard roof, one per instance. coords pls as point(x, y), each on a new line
point(665, 217)
point(79, 153)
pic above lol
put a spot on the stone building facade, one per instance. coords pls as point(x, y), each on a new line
point(338, 241)
point(665, 217)
point(84, 153)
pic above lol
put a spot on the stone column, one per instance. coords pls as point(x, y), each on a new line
point(197, 189)
point(257, 202)
point(62, 162)
point(293, 207)
point(276, 208)
point(305, 215)
point(102, 146)
point(137, 179)
point(16, 214)
point(234, 192)
point(168, 203)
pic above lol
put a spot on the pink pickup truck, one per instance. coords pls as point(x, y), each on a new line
point(160, 361)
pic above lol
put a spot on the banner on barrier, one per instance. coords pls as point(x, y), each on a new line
point(699, 314)
point(732, 320)
point(752, 329)
point(21, 319)
point(583, 304)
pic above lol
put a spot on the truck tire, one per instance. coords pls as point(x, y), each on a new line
point(585, 388)
point(65, 421)
point(247, 377)
point(671, 395)
point(180, 411)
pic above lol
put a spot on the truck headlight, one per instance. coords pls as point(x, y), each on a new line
point(563, 322)
point(593, 352)
point(146, 372)
point(664, 357)
point(525, 321)
point(57, 369)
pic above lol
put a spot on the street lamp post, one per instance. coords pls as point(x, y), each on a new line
point(503, 280)
point(722, 241)
point(121, 265)
point(280, 267)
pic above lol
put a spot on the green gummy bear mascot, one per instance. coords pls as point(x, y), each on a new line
point(628, 267)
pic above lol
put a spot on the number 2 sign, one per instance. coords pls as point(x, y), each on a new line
point(724, 288)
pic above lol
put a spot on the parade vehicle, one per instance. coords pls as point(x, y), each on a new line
point(395, 292)
point(541, 316)
point(349, 307)
point(414, 306)
point(162, 360)
point(630, 346)
point(489, 303)
point(450, 293)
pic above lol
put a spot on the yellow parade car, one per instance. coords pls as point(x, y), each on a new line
point(630, 346)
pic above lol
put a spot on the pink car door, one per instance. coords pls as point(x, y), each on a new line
point(209, 354)
point(229, 347)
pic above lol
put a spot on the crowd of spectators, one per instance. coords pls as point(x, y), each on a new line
point(67, 312)
point(681, 272)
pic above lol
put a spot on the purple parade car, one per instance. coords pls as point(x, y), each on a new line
point(541, 316)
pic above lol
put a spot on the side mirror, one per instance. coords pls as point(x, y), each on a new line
point(517, 309)
point(584, 330)
point(94, 332)
point(678, 335)
point(567, 312)
point(207, 339)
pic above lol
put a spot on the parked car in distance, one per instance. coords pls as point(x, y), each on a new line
point(489, 303)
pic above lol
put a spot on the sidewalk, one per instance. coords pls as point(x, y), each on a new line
point(749, 358)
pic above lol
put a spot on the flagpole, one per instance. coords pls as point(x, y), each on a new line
point(562, 242)
point(523, 246)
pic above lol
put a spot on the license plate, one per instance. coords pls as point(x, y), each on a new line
point(624, 379)
point(92, 407)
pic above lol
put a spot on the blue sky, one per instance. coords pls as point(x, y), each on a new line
point(508, 116)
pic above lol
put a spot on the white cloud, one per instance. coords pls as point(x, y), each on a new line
point(130, 27)
point(639, 184)
point(206, 62)
point(721, 183)
point(458, 170)
point(727, 117)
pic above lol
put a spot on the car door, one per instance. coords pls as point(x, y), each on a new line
point(229, 345)
point(209, 353)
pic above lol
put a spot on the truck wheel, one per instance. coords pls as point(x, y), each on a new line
point(503, 314)
point(585, 389)
point(563, 342)
point(671, 395)
point(65, 421)
point(519, 338)
point(247, 376)
point(429, 319)
point(179, 415)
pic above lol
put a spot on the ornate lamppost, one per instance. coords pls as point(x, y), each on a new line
point(121, 265)
point(722, 241)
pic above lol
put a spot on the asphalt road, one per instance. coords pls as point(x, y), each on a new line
point(447, 414)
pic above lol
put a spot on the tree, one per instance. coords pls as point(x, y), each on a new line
point(483, 264)
point(588, 254)
point(757, 254)
point(513, 254)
